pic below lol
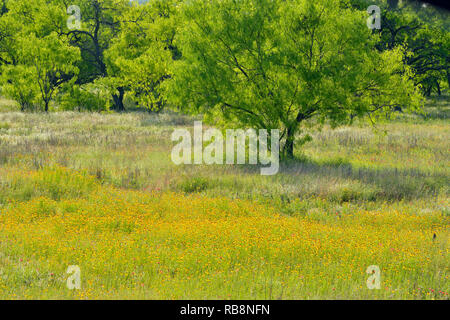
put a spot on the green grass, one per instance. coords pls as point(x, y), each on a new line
point(347, 182)
point(7, 105)
point(351, 164)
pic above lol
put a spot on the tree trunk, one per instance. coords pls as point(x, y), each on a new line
point(428, 91)
point(118, 100)
point(46, 106)
point(438, 87)
point(288, 149)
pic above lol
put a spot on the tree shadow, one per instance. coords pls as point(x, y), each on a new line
point(390, 184)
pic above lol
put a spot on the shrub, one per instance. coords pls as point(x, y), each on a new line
point(88, 97)
point(195, 184)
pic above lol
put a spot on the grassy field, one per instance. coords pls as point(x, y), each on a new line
point(100, 191)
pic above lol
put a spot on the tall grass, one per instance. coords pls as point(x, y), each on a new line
point(100, 191)
point(352, 164)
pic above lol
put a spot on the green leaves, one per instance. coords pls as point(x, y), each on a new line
point(276, 64)
point(263, 64)
point(18, 83)
point(139, 57)
point(51, 61)
point(40, 59)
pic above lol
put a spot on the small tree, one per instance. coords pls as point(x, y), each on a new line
point(283, 63)
point(52, 61)
point(18, 83)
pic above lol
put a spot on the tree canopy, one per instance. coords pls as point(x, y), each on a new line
point(278, 64)
point(268, 64)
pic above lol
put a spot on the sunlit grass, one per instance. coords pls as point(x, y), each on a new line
point(100, 191)
point(166, 245)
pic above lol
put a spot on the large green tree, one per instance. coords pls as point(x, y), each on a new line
point(139, 57)
point(424, 33)
point(285, 63)
point(37, 60)
point(100, 24)
point(52, 62)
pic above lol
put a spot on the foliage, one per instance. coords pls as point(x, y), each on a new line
point(140, 56)
point(277, 64)
point(90, 97)
point(18, 84)
point(427, 41)
point(52, 62)
point(42, 58)
point(423, 31)
point(268, 64)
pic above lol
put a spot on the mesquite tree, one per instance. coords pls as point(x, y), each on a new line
point(283, 63)
point(139, 57)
